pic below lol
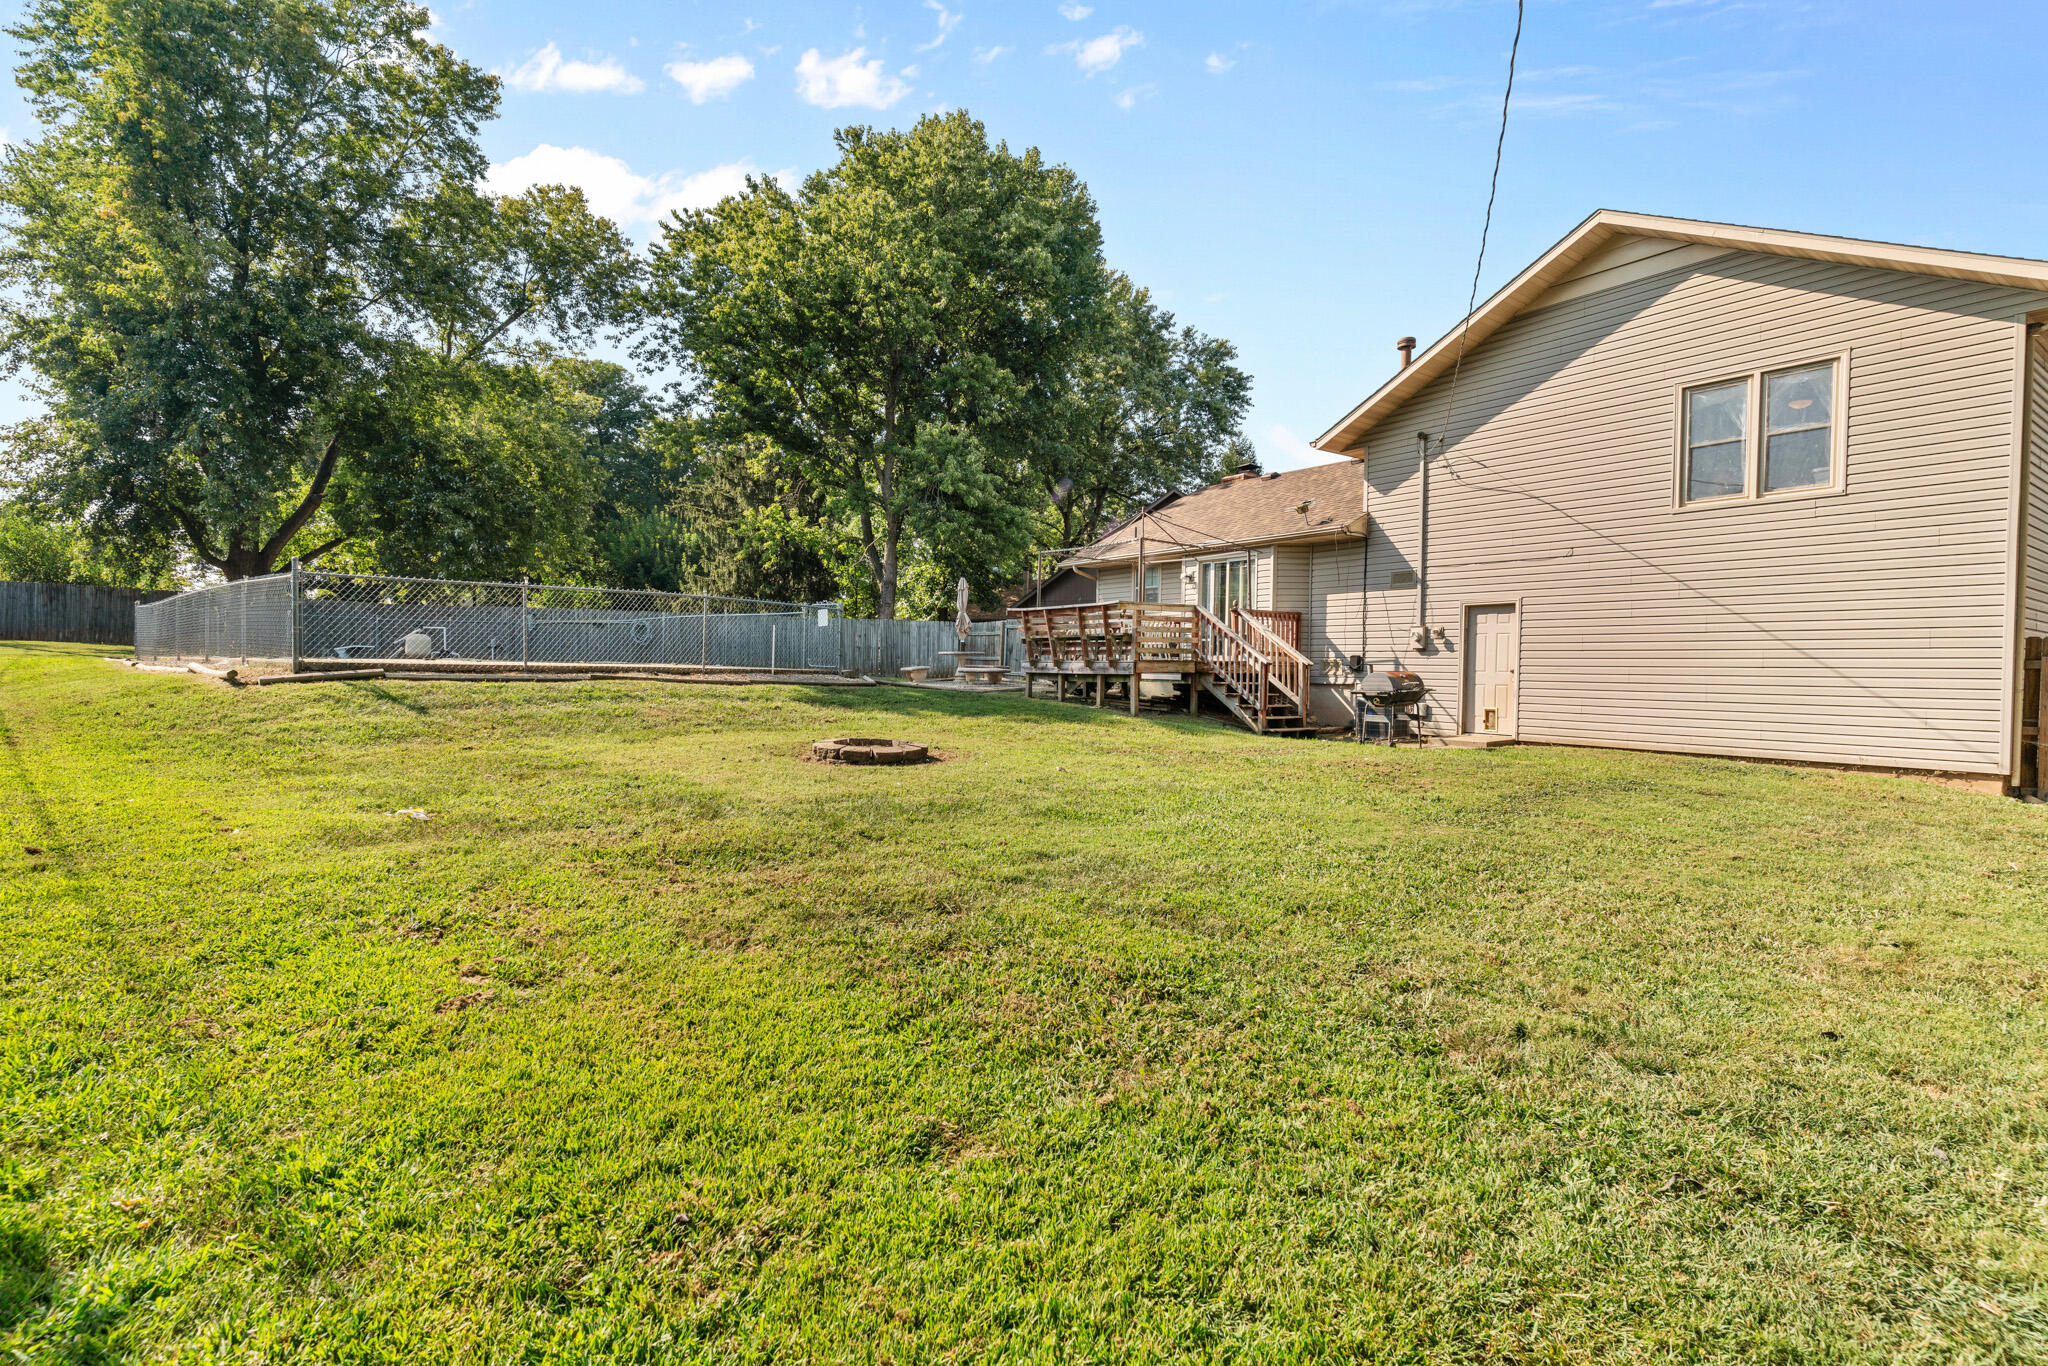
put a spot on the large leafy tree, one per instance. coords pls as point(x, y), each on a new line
point(746, 521)
point(244, 224)
point(1149, 409)
point(889, 327)
point(471, 471)
point(37, 549)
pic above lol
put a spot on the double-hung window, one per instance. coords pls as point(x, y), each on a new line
point(1760, 435)
point(1153, 579)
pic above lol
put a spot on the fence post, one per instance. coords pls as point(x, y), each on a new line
point(524, 610)
point(295, 614)
point(703, 631)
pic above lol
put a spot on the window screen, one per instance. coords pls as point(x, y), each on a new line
point(1716, 448)
point(1799, 436)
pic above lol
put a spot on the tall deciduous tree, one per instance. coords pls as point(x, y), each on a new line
point(1149, 409)
point(242, 224)
point(889, 326)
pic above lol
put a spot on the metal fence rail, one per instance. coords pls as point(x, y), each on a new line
point(321, 614)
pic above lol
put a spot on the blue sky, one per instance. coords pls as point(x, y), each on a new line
point(1308, 179)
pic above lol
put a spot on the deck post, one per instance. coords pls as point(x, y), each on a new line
point(1101, 687)
point(1134, 687)
point(1194, 695)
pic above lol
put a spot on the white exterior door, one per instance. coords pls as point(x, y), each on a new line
point(1490, 671)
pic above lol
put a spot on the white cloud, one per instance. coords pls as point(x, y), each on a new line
point(847, 80)
point(713, 79)
point(1100, 54)
point(1128, 99)
point(948, 21)
point(548, 70)
point(1077, 13)
point(985, 55)
point(616, 190)
point(1218, 63)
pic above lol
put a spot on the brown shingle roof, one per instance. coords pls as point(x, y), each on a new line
point(1241, 512)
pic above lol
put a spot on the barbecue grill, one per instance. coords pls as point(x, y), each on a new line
point(1391, 694)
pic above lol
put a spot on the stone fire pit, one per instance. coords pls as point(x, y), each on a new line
point(865, 751)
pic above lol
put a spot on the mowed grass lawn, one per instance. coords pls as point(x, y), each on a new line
point(1100, 1040)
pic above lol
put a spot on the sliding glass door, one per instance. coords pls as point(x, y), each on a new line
point(1226, 584)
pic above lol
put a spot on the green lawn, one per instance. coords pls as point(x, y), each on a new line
point(1102, 1039)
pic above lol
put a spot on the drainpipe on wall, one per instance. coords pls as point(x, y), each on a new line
point(1419, 637)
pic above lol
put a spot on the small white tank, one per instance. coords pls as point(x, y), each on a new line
point(418, 645)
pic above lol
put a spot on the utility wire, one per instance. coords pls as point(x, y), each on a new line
point(1486, 228)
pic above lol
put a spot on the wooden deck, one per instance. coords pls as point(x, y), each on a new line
point(1250, 665)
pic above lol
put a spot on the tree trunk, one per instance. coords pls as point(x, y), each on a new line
point(244, 562)
point(885, 591)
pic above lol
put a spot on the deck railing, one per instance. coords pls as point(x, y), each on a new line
point(1249, 653)
point(1110, 637)
point(1235, 660)
point(1291, 669)
point(1286, 625)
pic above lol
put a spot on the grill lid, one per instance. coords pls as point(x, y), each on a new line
point(1394, 688)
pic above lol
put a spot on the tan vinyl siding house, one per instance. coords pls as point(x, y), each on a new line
point(2035, 596)
point(1869, 618)
point(1286, 554)
point(1703, 488)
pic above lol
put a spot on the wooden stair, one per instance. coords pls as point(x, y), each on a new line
point(1255, 672)
point(1282, 716)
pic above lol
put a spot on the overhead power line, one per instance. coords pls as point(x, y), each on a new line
point(1485, 229)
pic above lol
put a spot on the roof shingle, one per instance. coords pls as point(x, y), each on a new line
point(1241, 512)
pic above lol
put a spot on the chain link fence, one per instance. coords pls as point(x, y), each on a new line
point(321, 615)
point(248, 619)
point(331, 615)
point(363, 616)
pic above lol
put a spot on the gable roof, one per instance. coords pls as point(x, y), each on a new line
point(1034, 594)
point(1251, 511)
point(1608, 225)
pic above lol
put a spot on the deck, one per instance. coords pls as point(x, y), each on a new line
point(1251, 665)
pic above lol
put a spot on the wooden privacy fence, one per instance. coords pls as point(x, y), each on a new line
point(880, 648)
point(79, 613)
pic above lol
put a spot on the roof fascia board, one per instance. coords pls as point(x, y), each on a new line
point(1168, 550)
point(1601, 228)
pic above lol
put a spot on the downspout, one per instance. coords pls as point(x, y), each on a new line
point(1419, 637)
point(1364, 562)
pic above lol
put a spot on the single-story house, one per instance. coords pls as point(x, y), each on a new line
point(1678, 486)
point(1270, 543)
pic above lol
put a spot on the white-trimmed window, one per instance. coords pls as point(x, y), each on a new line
point(1761, 435)
point(1226, 584)
point(1153, 578)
